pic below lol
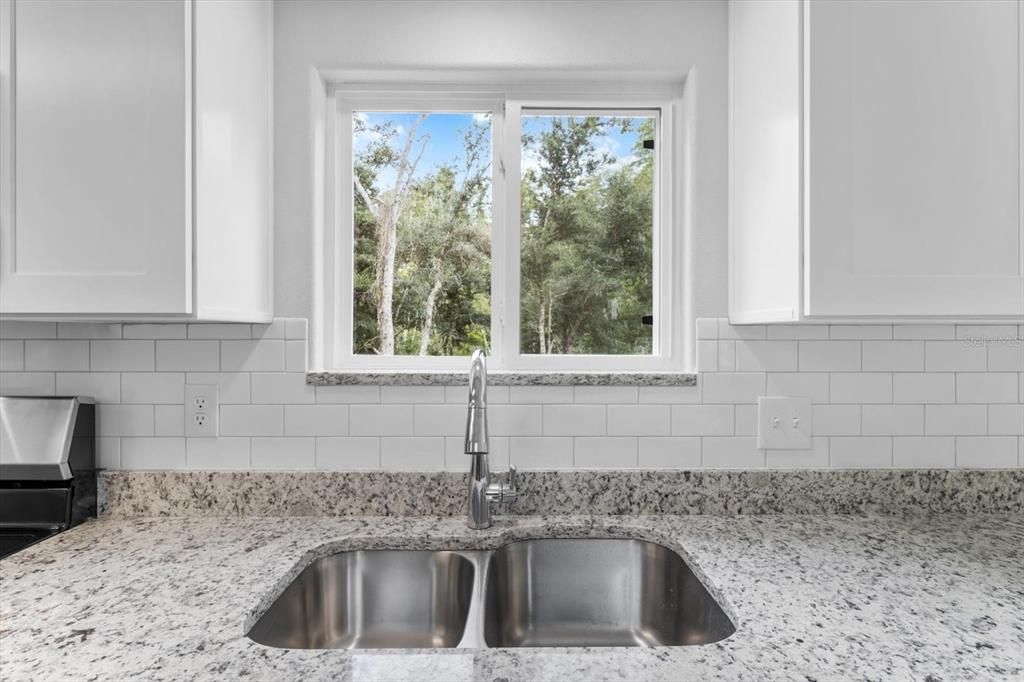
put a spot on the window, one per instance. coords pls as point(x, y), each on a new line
point(538, 228)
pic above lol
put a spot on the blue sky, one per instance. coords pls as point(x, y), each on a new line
point(446, 133)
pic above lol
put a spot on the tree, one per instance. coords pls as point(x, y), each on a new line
point(386, 209)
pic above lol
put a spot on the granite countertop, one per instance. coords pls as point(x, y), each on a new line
point(937, 597)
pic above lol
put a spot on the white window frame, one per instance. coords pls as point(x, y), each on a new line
point(334, 288)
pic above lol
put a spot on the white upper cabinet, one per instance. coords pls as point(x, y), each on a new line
point(136, 159)
point(876, 160)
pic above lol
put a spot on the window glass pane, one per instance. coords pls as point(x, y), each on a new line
point(587, 229)
point(422, 201)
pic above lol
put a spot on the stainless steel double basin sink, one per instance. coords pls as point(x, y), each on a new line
point(530, 593)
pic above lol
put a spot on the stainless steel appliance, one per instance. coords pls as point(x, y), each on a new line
point(47, 468)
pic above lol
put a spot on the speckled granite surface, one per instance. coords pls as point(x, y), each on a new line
point(937, 597)
point(198, 493)
point(498, 378)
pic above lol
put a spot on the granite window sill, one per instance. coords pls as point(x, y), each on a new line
point(498, 378)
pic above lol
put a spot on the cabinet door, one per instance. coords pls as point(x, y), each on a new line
point(96, 212)
point(913, 174)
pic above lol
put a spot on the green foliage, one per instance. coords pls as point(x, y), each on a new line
point(586, 245)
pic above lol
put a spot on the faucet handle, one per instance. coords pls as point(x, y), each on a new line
point(510, 491)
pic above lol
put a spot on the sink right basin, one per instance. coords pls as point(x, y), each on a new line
point(597, 592)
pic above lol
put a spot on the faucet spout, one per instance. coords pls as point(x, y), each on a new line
point(481, 491)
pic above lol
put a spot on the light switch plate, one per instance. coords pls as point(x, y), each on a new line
point(784, 423)
point(201, 409)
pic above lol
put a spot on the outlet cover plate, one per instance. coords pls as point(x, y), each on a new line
point(202, 405)
point(783, 423)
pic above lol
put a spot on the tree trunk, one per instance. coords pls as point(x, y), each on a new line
point(428, 315)
point(540, 332)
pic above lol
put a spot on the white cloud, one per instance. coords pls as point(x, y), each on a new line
point(482, 119)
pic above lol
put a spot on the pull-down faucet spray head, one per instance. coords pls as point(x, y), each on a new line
point(476, 419)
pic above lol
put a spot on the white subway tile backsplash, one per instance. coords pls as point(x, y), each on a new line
point(731, 453)
point(348, 394)
point(798, 332)
point(860, 452)
point(733, 388)
point(893, 356)
point(121, 356)
point(53, 355)
point(816, 457)
point(1006, 420)
point(936, 332)
point(924, 387)
point(707, 356)
point(12, 355)
point(108, 452)
point(955, 420)
point(954, 356)
point(669, 453)
point(986, 387)
point(575, 420)
point(835, 420)
point(27, 383)
point(760, 356)
point(813, 385)
point(515, 420)
point(540, 394)
point(153, 453)
point(892, 420)
point(252, 356)
point(380, 420)
point(251, 420)
point(603, 394)
point(639, 420)
point(703, 420)
point(439, 420)
point(1006, 356)
point(187, 356)
point(986, 452)
point(154, 331)
point(232, 387)
point(829, 356)
point(861, 387)
point(281, 388)
point(418, 453)
point(605, 453)
point(412, 394)
point(340, 454)
point(860, 331)
point(220, 331)
point(103, 387)
point(283, 453)
point(218, 453)
point(904, 395)
point(124, 420)
point(153, 387)
point(727, 356)
point(316, 420)
point(668, 394)
point(927, 452)
point(295, 356)
point(168, 420)
point(18, 329)
point(540, 453)
point(80, 330)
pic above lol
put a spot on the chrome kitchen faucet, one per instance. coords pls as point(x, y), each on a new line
point(481, 491)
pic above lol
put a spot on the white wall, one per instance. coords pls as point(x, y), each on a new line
point(663, 39)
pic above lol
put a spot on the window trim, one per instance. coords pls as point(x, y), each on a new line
point(334, 305)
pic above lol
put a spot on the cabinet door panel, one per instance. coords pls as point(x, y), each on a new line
point(914, 153)
point(100, 219)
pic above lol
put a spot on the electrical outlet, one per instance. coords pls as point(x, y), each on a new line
point(784, 423)
point(201, 408)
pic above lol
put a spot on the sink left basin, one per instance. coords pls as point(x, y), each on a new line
point(372, 599)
